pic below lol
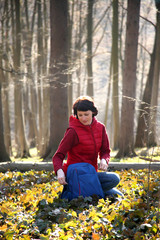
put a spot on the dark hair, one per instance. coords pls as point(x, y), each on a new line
point(84, 103)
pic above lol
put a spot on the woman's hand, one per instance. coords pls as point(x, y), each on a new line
point(103, 165)
point(61, 177)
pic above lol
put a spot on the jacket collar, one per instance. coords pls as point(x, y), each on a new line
point(74, 122)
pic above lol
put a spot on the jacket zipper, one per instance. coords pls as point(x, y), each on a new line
point(95, 146)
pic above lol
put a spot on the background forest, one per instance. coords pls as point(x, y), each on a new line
point(53, 51)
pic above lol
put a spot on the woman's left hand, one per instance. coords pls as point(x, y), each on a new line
point(103, 165)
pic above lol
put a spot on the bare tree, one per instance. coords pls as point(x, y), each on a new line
point(29, 78)
point(22, 149)
point(31, 111)
point(144, 109)
point(89, 48)
point(70, 55)
point(129, 81)
point(4, 157)
point(115, 94)
point(58, 73)
point(5, 78)
point(155, 87)
point(145, 135)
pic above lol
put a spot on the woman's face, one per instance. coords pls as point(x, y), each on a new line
point(85, 117)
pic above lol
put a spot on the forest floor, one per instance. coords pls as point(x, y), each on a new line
point(31, 207)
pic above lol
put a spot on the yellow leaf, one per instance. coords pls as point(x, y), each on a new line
point(95, 218)
point(88, 228)
point(70, 224)
point(82, 217)
point(96, 226)
point(4, 209)
point(3, 228)
point(126, 203)
point(92, 213)
point(74, 214)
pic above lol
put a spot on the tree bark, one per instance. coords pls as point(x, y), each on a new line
point(142, 132)
point(129, 81)
point(22, 148)
point(4, 157)
point(5, 81)
point(155, 88)
point(89, 48)
point(58, 74)
point(70, 55)
point(31, 117)
point(115, 94)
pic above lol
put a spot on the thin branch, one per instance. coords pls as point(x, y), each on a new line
point(11, 70)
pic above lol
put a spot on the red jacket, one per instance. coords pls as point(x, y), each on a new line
point(82, 144)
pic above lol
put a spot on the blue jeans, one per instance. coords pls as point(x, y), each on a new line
point(109, 181)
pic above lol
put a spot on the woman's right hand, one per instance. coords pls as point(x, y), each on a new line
point(61, 177)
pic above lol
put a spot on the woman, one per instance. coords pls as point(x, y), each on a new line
point(86, 140)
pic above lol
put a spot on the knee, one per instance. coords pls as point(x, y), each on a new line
point(116, 179)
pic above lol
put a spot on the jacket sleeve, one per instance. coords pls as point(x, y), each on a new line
point(69, 140)
point(105, 148)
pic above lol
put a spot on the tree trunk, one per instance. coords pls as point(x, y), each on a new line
point(155, 88)
point(70, 55)
point(22, 148)
point(4, 157)
point(144, 112)
point(6, 117)
point(27, 47)
point(89, 48)
point(39, 75)
point(78, 49)
point(115, 94)
point(46, 115)
point(3, 154)
point(58, 74)
point(5, 81)
point(129, 81)
point(45, 86)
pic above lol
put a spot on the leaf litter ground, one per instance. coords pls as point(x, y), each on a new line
point(31, 208)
